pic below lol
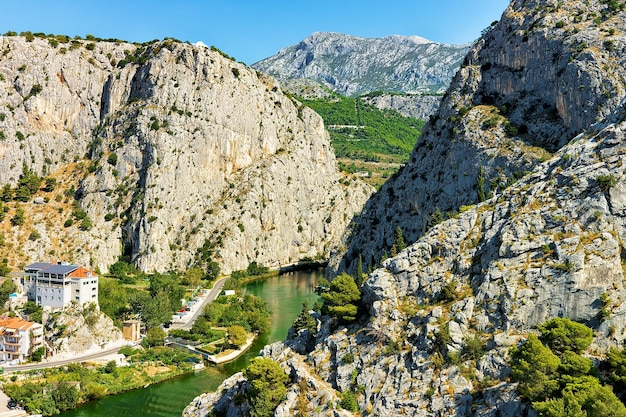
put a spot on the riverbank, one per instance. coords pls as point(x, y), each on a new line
point(281, 270)
point(284, 295)
point(231, 354)
point(33, 389)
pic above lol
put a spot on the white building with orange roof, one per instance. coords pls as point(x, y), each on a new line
point(56, 285)
point(19, 338)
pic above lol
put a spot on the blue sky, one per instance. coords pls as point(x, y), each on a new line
point(252, 30)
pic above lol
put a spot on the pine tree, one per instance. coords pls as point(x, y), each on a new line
point(359, 272)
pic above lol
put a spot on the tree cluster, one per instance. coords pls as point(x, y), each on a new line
point(249, 312)
point(154, 306)
point(557, 379)
point(342, 299)
point(268, 386)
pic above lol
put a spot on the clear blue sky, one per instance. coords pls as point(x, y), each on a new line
point(252, 30)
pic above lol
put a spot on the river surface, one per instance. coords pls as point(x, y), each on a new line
point(284, 295)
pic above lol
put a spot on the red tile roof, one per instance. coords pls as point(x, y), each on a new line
point(15, 323)
point(81, 272)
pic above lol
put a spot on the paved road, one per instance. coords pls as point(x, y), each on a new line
point(213, 293)
point(61, 362)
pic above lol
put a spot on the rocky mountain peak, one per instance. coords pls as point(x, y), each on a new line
point(353, 65)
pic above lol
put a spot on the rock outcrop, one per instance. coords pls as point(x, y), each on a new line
point(77, 330)
point(443, 313)
point(167, 147)
point(410, 105)
point(351, 65)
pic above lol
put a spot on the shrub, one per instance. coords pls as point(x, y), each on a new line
point(534, 366)
point(35, 89)
point(154, 337)
point(19, 218)
point(49, 184)
point(38, 354)
point(347, 359)
point(606, 182)
point(510, 129)
point(305, 320)
point(112, 159)
point(563, 334)
point(342, 298)
point(85, 224)
point(110, 367)
point(448, 292)
point(237, 336)
point(566, 384)
point(267, 386)
point(474, 348)
point(491, 122)
point(348, 402)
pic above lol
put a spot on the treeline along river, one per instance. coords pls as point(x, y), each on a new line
point(284, 295)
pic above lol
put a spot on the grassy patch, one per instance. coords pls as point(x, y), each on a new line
point(367, 139)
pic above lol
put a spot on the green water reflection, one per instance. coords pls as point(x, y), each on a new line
point(284, 295)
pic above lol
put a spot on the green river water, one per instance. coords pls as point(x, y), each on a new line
point(284, 295)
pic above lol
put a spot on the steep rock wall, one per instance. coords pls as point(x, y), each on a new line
point(544, 73)
point(176, 146)
point(549, 246)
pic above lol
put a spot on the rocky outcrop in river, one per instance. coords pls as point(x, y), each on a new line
point(167, 147)
point(536, 229)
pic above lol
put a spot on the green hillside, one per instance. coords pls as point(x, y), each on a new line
point(365, 138)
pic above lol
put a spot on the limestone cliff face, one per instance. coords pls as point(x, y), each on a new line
point(550, 244)
point(411, 105)
point(546, 72)
point(176, 146)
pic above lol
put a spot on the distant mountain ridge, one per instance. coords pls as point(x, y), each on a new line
point(353, 65)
